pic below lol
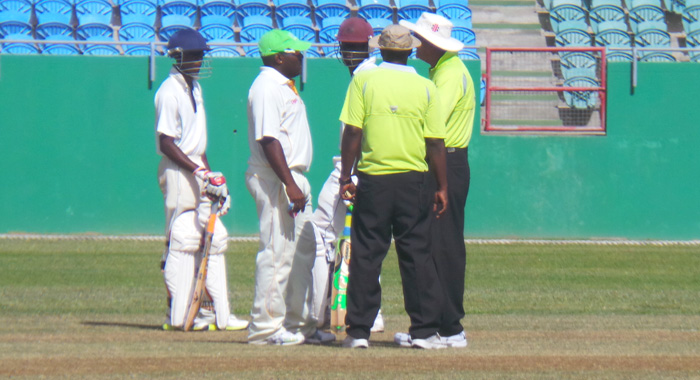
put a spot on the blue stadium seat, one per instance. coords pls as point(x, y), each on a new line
point(98, 48)
point(251, 51)
point(15, 10)
point(656, 56)
point(291, 8)
point(220, 8)
point(216, 20)
point(578, 60)
point(93, 11)
point(330, 8)
point(411, 10)
point(312, 53)
point(51, 30)
point(222, 51)
point(654, 38)
point(253, 27)
point(613, 38)
point(596, 3)
point(462, 23)
point(16, 28)
point(171, 24)
point(378, 24)
point(138, 11)
point(186, 8)
point(49, 11)
point(691, 14)
point(463, 33)
point(468, 54)
point(573, 24)
point(618, 56)
point(645, 13)
point(58, 49)
point(453, 9)
point(247, 8)
point(217, 32)
point(88, 32)
point(606, 13)
point(566, 13)
point(574, 72)
point(677, 6)
point(299, 26)
point(136, 32)
point(693, 41)
point(631, 4)
point(327, 34)
point(573, 37)
point(373, 9)
point(609, 25)
point(18, 47)
point(581, 99)
point(549, 4)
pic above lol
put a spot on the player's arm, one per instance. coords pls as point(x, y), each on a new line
point(173, 152)
point(435, 149)
point(275, 156)
point(349, 152)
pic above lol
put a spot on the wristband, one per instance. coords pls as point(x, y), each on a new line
point(345, 181)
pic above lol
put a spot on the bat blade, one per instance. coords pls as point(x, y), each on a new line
point(340, 285)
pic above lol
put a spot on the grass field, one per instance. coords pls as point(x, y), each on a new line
point(93, 310)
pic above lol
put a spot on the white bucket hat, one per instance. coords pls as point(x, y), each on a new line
point(436, 30)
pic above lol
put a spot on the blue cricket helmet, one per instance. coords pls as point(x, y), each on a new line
point(187, 40)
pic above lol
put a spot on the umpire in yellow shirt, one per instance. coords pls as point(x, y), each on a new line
point(393, 118)
point(457, 100)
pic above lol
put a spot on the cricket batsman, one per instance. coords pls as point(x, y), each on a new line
point(185, 178)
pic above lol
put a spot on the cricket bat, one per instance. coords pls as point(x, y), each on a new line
point(340, 276)
point(201, 276)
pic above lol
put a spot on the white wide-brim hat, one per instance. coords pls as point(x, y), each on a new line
point(436, 30)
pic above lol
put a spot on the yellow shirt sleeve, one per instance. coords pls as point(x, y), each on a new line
point(353, 111)
point(434, 120)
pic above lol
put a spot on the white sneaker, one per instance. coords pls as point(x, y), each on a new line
point(402, 339)
point(430, 343)
point(235, 323)
point(320, 337)
point(378, 326)
point(456, 341)
point(203, 320)
point(350, 342)
point(282, 338)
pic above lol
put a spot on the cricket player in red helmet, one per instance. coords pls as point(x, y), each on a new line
point(353, 39)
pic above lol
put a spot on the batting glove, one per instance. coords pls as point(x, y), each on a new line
point(215, 186)
point(225, 205)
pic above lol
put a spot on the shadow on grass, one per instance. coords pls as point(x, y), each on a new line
point(122, 324)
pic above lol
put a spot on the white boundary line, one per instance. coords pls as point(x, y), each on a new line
point(613, 242)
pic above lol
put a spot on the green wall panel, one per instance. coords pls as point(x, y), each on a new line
point(78, 145)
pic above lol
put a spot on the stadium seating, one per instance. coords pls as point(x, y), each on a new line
point(411, 10)
point(581, 99)
point(300, 26)
point(378, 24)
point(100, 49)
point(94, 12)
point(330, 8)
point(607, 13)
point(136, 32)
point(291, 8)
point(252, 28)
point(220, 8)
point(453, 9)
point(573, 37)
point(171, 24)
point(216, 20)
point(691, 13)
point(50, 11)
point(677, 6)
point(327, 34)
point(247, 8)
point(468, 54)
point(573, 24)
point(375, 9)
point(180, 9)
point(15, 10)
point(566, 13)
point(17, 30)
point(596, 3)
point(137, 11)
point(615, 38)
point(461, 30)
point(654, 38)
point(47, 47)
point(219, 32)
point(693, 40)
point(644, 14)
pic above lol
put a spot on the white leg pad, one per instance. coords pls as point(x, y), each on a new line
point(219, 243)
point(179, 279)
point(186, 233)
point(217, 287)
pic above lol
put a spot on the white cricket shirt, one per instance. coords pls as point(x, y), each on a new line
point(176, 117)
point(274, 110)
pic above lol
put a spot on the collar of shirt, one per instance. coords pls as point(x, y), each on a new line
point(394, 66)
point(445, 57)
point(274, 74)
point(175, 73)
point(366, 64)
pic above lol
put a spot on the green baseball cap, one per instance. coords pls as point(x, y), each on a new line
point(280, 41)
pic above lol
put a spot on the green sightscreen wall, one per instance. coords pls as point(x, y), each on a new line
point(78, 146)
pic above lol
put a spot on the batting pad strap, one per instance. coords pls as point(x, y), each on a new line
point(185, 235)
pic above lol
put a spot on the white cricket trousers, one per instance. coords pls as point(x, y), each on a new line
point(283, 286)
point(186, 213)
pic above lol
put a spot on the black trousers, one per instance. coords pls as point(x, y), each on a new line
point(448, 242)
point(398, 205)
